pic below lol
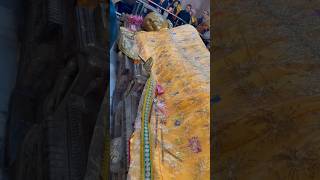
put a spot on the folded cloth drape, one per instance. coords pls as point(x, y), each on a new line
point(173, 142)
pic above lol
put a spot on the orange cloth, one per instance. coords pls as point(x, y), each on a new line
point(181, 67)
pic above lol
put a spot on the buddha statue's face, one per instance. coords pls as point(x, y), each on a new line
point(154, 22)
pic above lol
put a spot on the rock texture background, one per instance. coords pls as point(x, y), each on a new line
point(265, 68)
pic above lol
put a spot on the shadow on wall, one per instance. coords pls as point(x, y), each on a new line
point(8, 64)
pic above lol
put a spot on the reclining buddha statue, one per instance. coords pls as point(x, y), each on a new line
point(172, 126)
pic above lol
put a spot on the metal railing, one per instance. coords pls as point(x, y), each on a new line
point(141, 5)
point(118, 14)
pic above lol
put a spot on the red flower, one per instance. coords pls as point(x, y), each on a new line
point(160, 90)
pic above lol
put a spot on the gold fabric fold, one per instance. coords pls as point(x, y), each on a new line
point(181, 134)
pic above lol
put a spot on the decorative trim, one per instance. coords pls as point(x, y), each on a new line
point(146, 160)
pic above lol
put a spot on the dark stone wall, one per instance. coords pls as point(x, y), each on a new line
point(8, 64)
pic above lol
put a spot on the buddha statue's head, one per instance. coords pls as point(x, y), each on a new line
point(154, 22)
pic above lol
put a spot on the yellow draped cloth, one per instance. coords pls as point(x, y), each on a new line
point(179, 137)
point(266, 74)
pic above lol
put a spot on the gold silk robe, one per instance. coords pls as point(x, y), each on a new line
point(180, 141)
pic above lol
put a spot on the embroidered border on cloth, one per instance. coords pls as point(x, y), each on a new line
point(146, 160)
